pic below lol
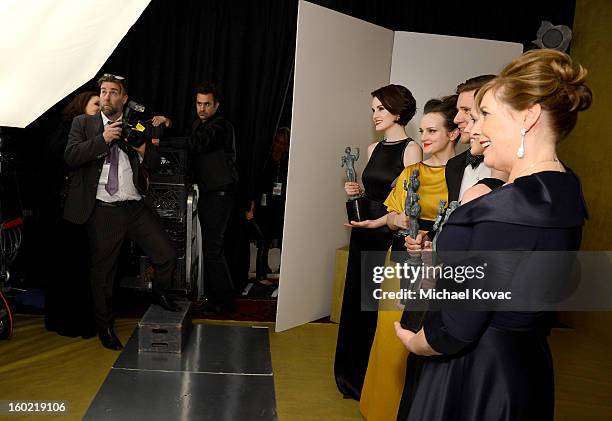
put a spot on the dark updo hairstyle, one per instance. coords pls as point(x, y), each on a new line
point(546, 77)
point(77, 106)
point(447, 107)
point(398, 100)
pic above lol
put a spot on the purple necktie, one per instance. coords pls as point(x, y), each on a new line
point(112, 184)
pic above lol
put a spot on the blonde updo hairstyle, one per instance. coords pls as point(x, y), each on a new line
point(546, 77)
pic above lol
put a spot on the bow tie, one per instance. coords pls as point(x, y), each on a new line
point(473, 160)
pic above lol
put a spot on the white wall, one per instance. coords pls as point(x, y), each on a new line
point(339, 61)
point(432, 65)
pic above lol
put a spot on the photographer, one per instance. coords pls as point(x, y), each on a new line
point(105, 195)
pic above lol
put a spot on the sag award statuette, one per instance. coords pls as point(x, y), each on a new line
point(354, 206)
point(413, 320)
point(412, 208)
point(439, 224)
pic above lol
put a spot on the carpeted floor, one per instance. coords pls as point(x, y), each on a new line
point(40, 365)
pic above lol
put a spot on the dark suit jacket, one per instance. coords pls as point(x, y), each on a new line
point(454, 175)
point(85, 152)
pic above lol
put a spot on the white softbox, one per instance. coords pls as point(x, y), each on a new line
point(50, 48)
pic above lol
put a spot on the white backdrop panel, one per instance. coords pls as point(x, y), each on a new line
point(432, 65)
point(339, 61)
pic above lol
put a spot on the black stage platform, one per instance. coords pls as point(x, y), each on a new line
point(224, 373)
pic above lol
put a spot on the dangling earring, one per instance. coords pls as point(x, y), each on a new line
point(520, 152)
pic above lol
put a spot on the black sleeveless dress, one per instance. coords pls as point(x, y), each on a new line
point(357, 327)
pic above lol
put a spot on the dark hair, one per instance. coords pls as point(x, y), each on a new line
point(283, 132)
point(474, 83)
point(119, 80)
point(206, 88)
point(77, 105)
point(447, 106)
point(546, 77)
point(398, 100)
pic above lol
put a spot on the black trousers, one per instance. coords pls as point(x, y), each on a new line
point(270, 220)
point(68, 302)
point(107, 228)
point(214, 210)
point(262, 268)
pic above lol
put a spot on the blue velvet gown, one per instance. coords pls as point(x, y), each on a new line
point(496, 365)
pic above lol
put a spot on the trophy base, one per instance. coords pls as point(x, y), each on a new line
point(355, 210)
point(412, 320)
point(399, 254)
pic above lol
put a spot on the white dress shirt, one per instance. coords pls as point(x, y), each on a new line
point(472, 176)
point(127, 190)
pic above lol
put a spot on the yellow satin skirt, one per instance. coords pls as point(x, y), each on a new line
point(386, 373)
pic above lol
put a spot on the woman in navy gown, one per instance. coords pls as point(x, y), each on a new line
point(487, 365)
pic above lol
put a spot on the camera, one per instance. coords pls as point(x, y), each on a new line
point(133, 127)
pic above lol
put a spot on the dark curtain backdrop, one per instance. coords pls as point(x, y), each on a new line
point(247, 47)
point(515, 21)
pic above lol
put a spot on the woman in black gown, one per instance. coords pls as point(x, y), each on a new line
point(392, 108)
point(485, 365)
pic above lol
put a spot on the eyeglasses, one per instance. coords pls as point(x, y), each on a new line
point(109, 77)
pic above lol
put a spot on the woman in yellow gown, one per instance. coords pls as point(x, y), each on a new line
point(384, 381)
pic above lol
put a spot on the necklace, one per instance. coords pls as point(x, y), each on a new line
point(556, 160)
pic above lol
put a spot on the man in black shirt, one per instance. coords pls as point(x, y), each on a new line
point(213, 151)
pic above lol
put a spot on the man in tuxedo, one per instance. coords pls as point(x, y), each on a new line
point(105, 195)
point(464, 170)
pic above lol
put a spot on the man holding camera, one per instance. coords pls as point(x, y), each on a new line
point(105, 195)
